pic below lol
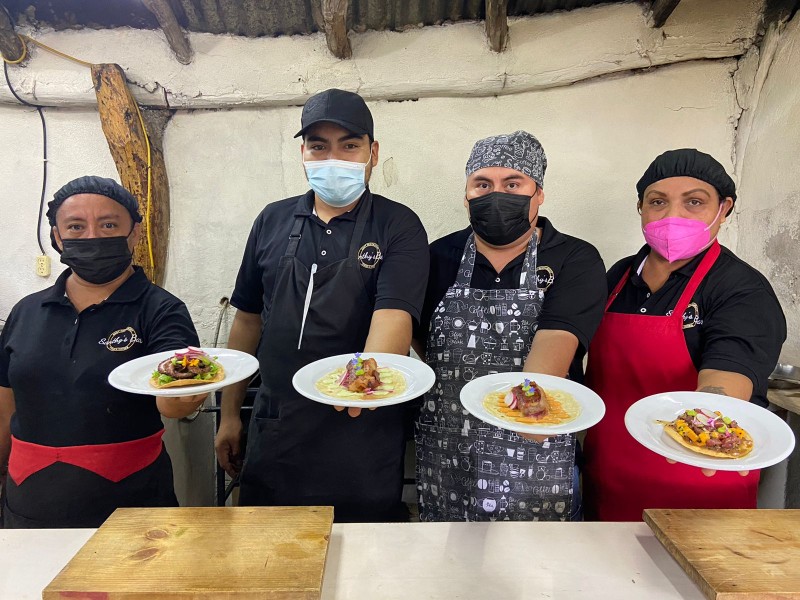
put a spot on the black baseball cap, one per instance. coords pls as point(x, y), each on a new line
point(343, 108)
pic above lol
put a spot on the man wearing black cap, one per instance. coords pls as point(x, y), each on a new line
point(75, 447)
point(684, 314)
point(336, 270)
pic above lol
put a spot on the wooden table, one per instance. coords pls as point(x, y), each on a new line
point(453, 561)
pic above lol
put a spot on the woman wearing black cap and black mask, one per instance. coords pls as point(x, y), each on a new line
point(684, 313)
point(76, 448)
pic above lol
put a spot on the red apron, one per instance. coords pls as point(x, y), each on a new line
point(114, 462)
point(633, 356)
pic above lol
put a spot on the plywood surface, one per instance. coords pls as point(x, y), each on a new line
point(734, 554)
point(221, 553)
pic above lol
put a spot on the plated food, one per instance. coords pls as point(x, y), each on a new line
point(709, 432)
point(188, 366)
point(529, 403)
point(362, 378)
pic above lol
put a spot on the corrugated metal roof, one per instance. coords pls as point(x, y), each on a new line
point(267, 17)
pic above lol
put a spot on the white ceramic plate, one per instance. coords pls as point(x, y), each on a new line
point(134, 376)
point(419, 379)
point(773, 440)
point(592, 407)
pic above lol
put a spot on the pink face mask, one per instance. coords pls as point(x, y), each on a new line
point(676, 238)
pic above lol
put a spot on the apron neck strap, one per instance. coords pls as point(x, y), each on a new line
point(694, 282)
point(527, 279)
point(697, 278)
point(295, 234)
point(365, 208)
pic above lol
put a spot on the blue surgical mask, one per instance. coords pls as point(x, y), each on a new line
point(337, 182)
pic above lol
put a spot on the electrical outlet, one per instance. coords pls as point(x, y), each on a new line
point(43, 265)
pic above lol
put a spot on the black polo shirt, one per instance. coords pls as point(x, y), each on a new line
point(393, 252)
point(734, 321)
point(57, 361)
point(569, 269)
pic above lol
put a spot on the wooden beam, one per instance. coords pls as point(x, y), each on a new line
point(497, 24)
point(126, 140)
point(334, 18)
point(661, 10)
point(10, 43)
point(176, 37)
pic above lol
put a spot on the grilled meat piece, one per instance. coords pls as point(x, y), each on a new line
point(361, 375)
point(533, 405)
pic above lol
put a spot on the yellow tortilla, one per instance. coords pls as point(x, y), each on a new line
point(218, 376)
point(391, 379)
point(747, 444)
point(563, 408)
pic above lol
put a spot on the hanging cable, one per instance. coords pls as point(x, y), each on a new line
point(45, 47)
point(44, 152)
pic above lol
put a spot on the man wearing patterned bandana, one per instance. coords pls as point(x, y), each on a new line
point(508, 293)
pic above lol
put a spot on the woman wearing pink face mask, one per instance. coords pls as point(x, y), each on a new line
point(684, 313)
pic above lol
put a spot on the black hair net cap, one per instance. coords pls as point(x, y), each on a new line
point(91, 184)
point(688, 162)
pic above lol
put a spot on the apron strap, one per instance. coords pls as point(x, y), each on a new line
point(294, 236)
point(527, 279)
point(697, 278)
point(361, 223)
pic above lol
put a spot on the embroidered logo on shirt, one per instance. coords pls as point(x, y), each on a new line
point(121, 340)
point(544, 277)
point(369, 255)
point(691, 316)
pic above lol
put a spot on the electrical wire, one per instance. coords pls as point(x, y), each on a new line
point(44, 153)
point(148, 205)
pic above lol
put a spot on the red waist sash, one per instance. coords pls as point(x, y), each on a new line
point(114, 462)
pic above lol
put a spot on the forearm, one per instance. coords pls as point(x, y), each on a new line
point(726, 383)
point(419, 348)
point(551, 353)
point(389, 331)
point(244, 336)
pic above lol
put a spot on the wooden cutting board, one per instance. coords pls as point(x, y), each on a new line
point(734, 554)
point(240, 553)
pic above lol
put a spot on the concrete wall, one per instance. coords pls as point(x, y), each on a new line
point(768, 149)
point(572, 79)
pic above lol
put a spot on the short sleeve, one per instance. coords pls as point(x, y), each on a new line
point(5, 355)
point(248, 294)
point(171, 328)
point(403, 275)
point(743, 334)
point(576, 299)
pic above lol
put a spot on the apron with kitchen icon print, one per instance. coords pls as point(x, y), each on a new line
point(466, 469)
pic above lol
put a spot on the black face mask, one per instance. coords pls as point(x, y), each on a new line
point(97, 260)
point(498, 218)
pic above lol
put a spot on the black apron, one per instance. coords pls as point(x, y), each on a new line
point(468, 470)
point(300, 452)
point(64, 496)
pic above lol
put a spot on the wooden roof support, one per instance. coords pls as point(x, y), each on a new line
point(126, 139)
point(661, 10)
point(497, 24)
point(169, 25)
point(10, 44)
point(334, 18)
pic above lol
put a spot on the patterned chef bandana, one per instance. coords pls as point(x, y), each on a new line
point(519, 151)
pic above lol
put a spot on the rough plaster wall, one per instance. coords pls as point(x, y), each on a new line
point(451, 60)
point(599, 138)
point(769, 211)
